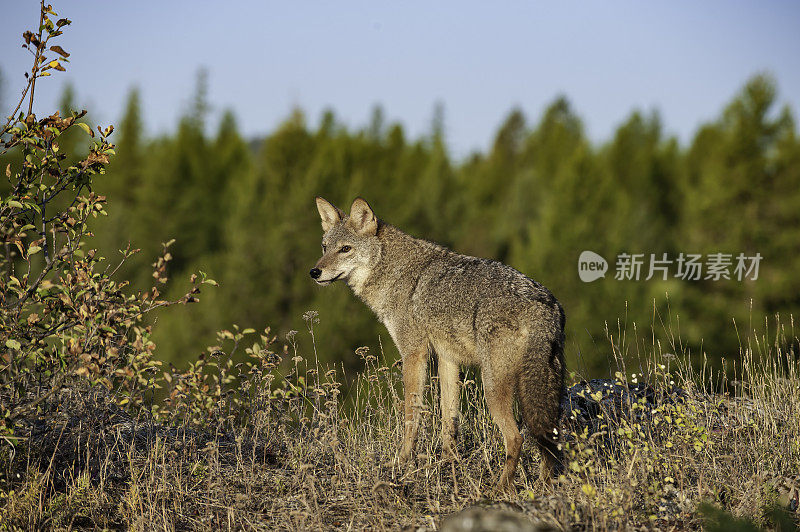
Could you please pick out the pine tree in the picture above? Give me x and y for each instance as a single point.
(121, 187)
(741, 197)
(190, 330)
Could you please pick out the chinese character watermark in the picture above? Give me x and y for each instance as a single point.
(684, 266)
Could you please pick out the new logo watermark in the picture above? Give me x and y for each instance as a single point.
(591, 266)
(686, 266)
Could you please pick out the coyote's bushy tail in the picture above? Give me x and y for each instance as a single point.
(540, 389)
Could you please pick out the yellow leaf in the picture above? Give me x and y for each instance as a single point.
(86, 128)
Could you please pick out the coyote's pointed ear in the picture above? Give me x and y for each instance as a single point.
(362, 219)
(329, 213)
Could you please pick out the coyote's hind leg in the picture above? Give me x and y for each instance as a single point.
(499, 392)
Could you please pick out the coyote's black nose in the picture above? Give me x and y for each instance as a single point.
(315, 273)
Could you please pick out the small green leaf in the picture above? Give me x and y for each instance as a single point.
(33, 250)
(15, 203)
(13, 344)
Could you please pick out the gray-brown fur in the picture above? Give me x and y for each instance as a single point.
(464, 310)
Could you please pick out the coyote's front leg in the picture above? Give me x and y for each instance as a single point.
(415, 366)
(448, 385)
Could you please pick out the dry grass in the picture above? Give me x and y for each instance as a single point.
(273, 444)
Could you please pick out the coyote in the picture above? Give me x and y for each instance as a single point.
(465, 311)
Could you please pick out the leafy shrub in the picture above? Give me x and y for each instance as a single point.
(64, 318)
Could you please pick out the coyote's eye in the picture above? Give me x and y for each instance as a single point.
(324, 247)
(345, 249)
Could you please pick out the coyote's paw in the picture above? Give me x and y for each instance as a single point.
(449, 453)
(404, 456)
(505, 485)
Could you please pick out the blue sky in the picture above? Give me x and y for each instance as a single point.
(685, 59)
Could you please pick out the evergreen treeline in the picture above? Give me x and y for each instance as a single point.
(243, 212)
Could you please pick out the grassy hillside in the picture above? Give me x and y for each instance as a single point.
(275, 444)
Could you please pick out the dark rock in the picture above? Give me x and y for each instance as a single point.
(581, 406)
